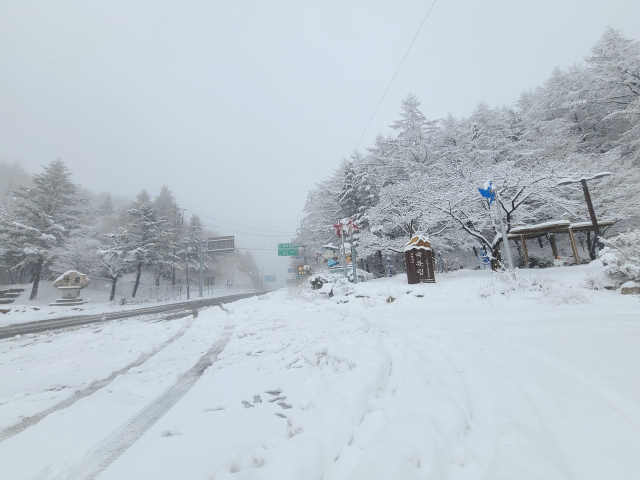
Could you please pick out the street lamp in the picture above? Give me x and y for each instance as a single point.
(587, 197)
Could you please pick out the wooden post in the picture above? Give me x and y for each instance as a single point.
(526, 253)
(554, 247)
(594, 221)
(573, 247)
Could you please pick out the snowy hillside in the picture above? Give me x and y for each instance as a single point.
(477, 376)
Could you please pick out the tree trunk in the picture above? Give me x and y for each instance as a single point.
(113, 287)
(36, 279)
(591, 245)
(137, 282)
(496, 263)
(518, 247)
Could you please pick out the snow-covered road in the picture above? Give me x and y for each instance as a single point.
(474, 377)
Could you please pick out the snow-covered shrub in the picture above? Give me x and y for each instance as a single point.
(338, 279)
(504, 283)
(592, 282)
(318, 279)
(563, 296)
(621, 256)
(363, 275)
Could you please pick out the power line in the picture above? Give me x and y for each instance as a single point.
(232, 230)
(239, 225)
(394, 75)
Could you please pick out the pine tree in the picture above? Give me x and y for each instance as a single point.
(150, 244)
(106, 207)
(348, 199)
(43, 219)
(411, 141)
(165, 203)
(142, 198)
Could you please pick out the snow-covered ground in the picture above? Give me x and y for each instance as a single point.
(97, 301)
(477, 376)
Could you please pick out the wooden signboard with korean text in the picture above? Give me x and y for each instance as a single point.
(419, 259)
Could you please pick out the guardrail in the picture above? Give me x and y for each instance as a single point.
(78, 320)
(152, 293)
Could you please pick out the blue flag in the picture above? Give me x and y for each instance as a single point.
(486, 192)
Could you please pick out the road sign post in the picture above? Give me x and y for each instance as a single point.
(288, 250)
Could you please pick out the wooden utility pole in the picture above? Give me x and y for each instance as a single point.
(587, 197)
(592, 214)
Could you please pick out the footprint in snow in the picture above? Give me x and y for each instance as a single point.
(275, 392)
(284, 397)
(257, 399)
(214, 409)
(247, 404)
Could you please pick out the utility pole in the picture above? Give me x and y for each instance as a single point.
(344, 250)
(175, 236)
(353, 256)
(200, 286)
(490, 193)
(592, 213)
(503, 230)
(186, 269)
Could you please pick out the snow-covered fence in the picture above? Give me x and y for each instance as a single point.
(151, 293)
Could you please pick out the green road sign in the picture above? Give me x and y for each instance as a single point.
(287, 249)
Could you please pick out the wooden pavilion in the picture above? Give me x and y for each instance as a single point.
(551, 228)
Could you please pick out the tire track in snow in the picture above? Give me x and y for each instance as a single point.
(27, 422)
(104, 455)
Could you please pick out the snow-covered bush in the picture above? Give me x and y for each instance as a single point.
(621, 256)
(340, 283)
(318, 279)
(505, 283)
(363, 275)
(592, 282)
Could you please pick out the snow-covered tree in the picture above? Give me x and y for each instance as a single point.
(150, 243)
(78, 253)
(114, 257)
(621, 256)
(165, 204)
(42, 219)
(190, 248)
(142, 198)
(106, 206)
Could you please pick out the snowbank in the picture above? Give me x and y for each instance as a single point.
(476, 376)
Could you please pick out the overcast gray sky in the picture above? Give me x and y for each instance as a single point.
(241, 106)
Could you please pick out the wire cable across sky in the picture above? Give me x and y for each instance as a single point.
(394, 75)
(221, 227)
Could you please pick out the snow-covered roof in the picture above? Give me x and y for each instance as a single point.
(541, 226)
(601, 223)
(557, 225)
(567, 181)
(419, 241)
